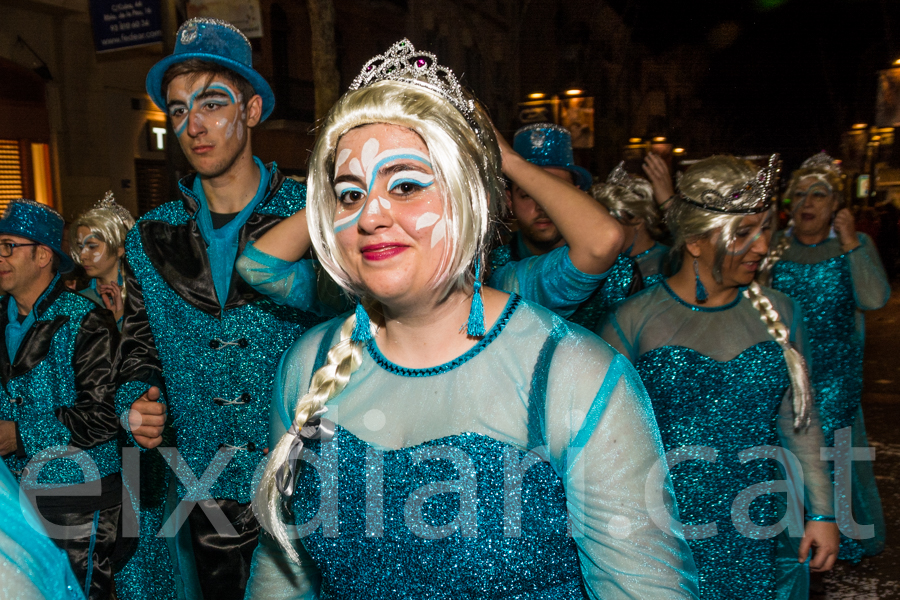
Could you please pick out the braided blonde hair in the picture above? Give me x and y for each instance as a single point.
(343, 359)
(797, 369)
(764, 275)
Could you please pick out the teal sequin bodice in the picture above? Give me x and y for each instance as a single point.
(825, 291)
(618, 285)
(729, 407)
(443, 519)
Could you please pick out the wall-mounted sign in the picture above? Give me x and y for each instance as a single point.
(119, 24)
(156, 136)
(243, 14)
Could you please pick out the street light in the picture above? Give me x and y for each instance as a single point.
(536, 95)
(574, 92)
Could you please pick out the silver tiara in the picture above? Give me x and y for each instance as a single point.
(109, 203)
(620, 177)
(402, 62)
(750, 197)
(821, 161)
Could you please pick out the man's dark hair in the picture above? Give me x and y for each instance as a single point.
(197, 68)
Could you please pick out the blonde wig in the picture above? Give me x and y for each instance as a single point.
(465, 159)
(821, 170)
(107, 221)
(632, 204)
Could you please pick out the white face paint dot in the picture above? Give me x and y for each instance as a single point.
(426, 220)
(437, 234)
(385, 203)
(619, 527)
(341, 159)
(356, 168)
(369, 151)
(373, 207)
(374, 420)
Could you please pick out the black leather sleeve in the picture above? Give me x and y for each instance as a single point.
(92, 420)
(137, 359)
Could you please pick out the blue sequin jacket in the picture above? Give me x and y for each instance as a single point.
(214, 362)
(59, 391)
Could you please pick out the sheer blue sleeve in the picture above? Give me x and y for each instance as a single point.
(870, 283)
(602, 437)
(33, 567)
(550, 280)
(291, 283)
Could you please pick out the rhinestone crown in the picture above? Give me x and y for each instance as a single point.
(620, 177)
(750, 197)
(402, 62)
(820, 161)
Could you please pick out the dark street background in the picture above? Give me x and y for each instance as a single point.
(878, 578)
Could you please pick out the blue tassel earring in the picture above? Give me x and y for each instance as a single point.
(475, 326)
(701, 291)
(362, 331)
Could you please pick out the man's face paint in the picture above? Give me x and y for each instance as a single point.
(209, 120)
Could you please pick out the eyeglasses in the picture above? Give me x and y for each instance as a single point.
(6, 248)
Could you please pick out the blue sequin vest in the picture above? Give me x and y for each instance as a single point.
(404, 524)
(727, 406)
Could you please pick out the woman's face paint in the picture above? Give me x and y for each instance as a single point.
(813, 206)
(389, 221)
(95, 259)
(744, 252)
(209, 118)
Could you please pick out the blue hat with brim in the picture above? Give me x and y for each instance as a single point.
(38, 223)
(549, 145)
(217, 42)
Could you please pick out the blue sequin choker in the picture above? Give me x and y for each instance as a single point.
(694, 307)
(490, 336)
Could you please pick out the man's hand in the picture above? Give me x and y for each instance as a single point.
(147, 418)
(845, 228)
(8, 442)
(658, 173)
(826, 540)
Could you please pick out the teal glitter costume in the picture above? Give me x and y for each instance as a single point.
(58, 389)
(718, 382)
(552, 281)
(214, 358)
(458, 481)
(834, 288)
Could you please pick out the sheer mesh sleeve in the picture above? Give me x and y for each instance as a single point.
(602, 439)
(285, 282)
(870, 283)
(550, 280)
(274, 576)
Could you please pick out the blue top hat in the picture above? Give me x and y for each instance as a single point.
(39, 223)
(215, 41)
(549, 145)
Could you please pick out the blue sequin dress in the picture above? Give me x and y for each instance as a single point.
(834, 288)
(464, 480)
(718, 384)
